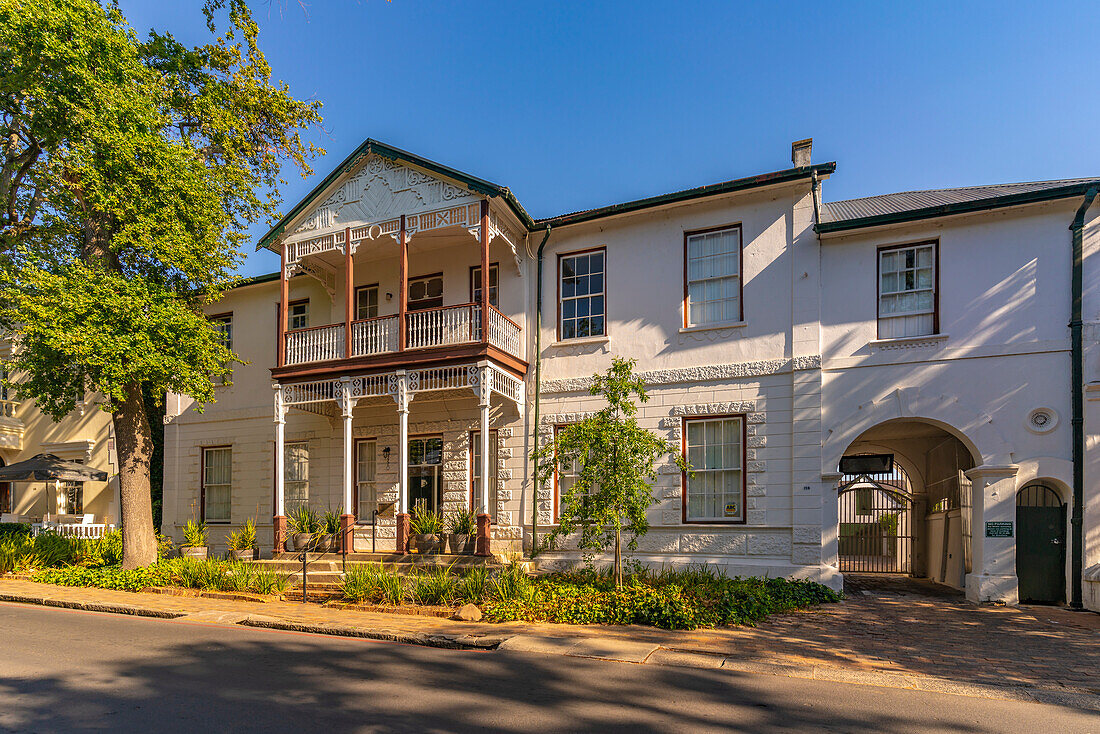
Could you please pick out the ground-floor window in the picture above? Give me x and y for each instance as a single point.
(5, 497)
(475, 471)
(715, 490)
(366, 487)
(296, 476)
(217, 482)
(425, 472)
(564, 478)
(73, 496)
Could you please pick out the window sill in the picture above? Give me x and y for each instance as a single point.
(713, 327)
(907, 342)
(581, 340)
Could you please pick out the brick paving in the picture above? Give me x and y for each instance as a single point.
(897, 626)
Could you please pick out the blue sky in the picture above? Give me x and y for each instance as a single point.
(574, 105)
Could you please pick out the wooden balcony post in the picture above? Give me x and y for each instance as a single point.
(403, 294)
(349, 292)
(284, 307)
(484, 271)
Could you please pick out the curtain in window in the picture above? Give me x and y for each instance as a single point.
(714, 451)
(217, 484)
(714, 289)
(296, 477)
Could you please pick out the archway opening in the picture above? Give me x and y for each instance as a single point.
(916, 515)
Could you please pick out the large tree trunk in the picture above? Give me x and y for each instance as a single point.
(134, 442)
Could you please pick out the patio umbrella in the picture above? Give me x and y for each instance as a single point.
(47, 467)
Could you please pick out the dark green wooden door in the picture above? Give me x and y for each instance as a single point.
(1041, 545)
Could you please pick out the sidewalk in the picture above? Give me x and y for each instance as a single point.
(900, 640)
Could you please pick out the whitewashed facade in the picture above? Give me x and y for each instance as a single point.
(770, 327)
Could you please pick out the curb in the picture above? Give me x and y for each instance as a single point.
(131, 609)
(449, 642)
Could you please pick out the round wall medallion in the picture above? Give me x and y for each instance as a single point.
(1042, 420)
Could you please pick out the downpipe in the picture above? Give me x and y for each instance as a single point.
(538, 393)
(1077, 519)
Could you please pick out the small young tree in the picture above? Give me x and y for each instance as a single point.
(614, 460)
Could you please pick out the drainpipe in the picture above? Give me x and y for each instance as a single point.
(1078, 421)
(538, 389)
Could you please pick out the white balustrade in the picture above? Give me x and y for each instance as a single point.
(88, 531)
(374, 336)
(7, 408)
(439, 327)
(315, 344)
(504, 334)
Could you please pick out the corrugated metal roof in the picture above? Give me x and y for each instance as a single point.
(915, 201)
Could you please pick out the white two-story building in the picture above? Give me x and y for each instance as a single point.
(884, 384)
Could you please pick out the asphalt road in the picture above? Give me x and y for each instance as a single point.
(66, 671)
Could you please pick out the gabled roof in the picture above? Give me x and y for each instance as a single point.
(907, 206)
(737, 184)
(478, 185)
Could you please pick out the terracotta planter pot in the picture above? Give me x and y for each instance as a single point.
(427, 543)
(248, 554)
(460, 543)
(189, 551)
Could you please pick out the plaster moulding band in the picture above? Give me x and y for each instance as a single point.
(709, 373)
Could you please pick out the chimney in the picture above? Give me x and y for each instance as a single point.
(800, 152)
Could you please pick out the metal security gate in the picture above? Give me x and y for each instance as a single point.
(876, 519)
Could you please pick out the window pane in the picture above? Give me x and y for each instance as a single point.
(712, 274)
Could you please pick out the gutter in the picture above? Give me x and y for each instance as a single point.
(538, 389)
(1078, 421)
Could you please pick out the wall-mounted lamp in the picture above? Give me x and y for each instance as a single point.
(386, 451)
(389, 296)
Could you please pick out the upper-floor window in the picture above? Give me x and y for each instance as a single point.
(907, 291)
(581, 295)
(299, 314)
(475, 285)
(366, 302)
(426, 292)
(223, 329)
(712, 286)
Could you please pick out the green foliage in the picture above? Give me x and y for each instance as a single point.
(462, 522)
(616, 462)
(194, 534)
(425, 522)
(434, 587)
(512, 584)
(889, 523)
(681, 599)
(245, 538)
(331, 523)
(14, 529)
(474, 585)
(164, 545)
(107, 577)
(303, 519)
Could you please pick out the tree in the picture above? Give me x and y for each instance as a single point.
(614, 461)
(130, 174)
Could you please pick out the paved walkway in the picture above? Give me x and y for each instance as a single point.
(890, 627)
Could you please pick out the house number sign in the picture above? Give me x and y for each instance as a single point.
(998, 529)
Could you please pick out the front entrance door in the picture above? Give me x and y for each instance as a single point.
(1040, 545)
(425, 465)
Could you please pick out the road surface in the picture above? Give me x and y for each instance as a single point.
(65, 671)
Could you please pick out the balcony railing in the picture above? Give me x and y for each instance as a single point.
(436, 327)
(7, 408)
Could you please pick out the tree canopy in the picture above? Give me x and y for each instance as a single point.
(131, 170)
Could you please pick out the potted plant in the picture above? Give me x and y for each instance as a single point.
(305, 528)
(194, 540)
(427, 530)
(242, 544)
(330, 529)
(461, 532)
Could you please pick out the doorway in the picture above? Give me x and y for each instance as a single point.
(875, 529)
(425, 469)
(1041, 544)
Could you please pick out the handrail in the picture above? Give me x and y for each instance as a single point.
(505, 317)
(311, 328)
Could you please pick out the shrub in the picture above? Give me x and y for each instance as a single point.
(463, 522)
(245, 538)
(425, 522)
(108, 577)
(51, 549)
(331, 523)
(303, 519)
(473, 585)
(512, 584)
(194, 534)
(361, 583)
(14, 529)
(12, 550)
(270, 582)
(435, 587)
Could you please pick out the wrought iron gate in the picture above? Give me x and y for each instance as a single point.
(875, 533)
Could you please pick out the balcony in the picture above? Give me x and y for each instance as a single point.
(430, 329)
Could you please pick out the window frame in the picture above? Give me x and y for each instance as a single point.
(556, 514)
(290, 314)
(378, 300)
(574, 253)
(359, 442)
(684, 420)
(740, 275)
(935, 243)
(221, 318)
(286, 468)
(203, 484)
(494, 267)
(430, 276)
(494, 472)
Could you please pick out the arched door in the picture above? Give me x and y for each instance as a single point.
(1041, 545)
